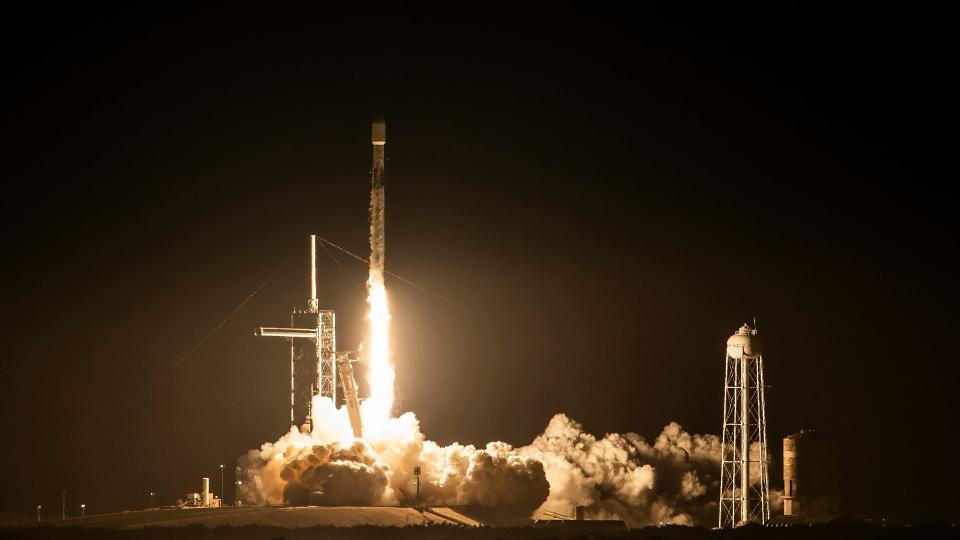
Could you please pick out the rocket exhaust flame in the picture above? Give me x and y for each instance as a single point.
(377, 408)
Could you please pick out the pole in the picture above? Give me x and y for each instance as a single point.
(416, 472)
(83, 510)
(63, 505)
(236, 486)
(151, 499)
(725, 447)
(745, 437)
(38, 513)
(222, 493)
(314, 304)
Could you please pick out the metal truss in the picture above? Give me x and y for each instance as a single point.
(327, 338)
(744, 478)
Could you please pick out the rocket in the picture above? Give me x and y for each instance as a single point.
(379, 140)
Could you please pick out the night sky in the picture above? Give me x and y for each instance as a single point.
(601, 197)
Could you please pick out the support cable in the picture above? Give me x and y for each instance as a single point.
(336, 260)
(219, 326)
(398, 277)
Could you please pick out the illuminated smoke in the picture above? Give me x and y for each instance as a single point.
(674, 478)
(329, 474)
(330, 467)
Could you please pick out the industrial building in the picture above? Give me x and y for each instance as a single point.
(202, 499)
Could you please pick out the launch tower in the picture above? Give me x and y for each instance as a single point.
(744, 483)
(313, 342)
(314, 359)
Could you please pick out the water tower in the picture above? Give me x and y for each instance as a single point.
(744, 483)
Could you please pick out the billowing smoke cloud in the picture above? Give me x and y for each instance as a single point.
(332, 475)
(496, 482)
(674, 477)
(623, 476)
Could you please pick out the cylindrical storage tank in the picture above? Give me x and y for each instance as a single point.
(811, 475)
(205, 493)
(744, 343)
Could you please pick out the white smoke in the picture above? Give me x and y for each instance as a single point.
(625, 477)
(672, 478)
(329, 467)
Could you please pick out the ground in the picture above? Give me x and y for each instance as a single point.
(402, 523)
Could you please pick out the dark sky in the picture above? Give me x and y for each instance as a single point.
(609, 193)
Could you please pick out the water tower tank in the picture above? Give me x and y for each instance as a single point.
(744, 343)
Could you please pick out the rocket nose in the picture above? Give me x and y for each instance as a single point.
(379, 132)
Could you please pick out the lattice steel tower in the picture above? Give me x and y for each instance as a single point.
(744, 482)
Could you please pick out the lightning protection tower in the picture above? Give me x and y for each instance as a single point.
(744, 483)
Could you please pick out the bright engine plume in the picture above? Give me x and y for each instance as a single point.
(377, 408)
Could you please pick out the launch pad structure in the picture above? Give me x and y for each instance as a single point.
(315, 362)
(316, 366)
